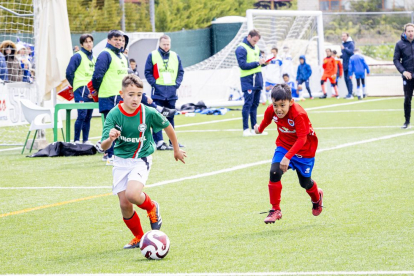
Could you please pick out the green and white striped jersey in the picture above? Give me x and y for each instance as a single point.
(136, 138)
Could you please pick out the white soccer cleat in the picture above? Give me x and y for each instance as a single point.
(247, 132)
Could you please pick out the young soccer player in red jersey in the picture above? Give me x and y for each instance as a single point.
(129, 125)
(296, 147)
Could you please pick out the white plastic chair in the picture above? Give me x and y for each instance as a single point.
(34, 115)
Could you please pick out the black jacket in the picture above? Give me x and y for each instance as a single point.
(404, 55)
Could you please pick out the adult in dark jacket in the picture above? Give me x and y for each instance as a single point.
(79, 73)
(347, 49)
(14, 69)
(164, 72)
(303, 74)
(404, 62)
(250, 63)
(110, 68)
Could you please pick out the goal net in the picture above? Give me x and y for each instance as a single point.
(216, 80)
(16, 38)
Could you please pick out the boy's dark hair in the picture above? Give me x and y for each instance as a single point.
(328, 49)
(132, 60)
(281, 92)
(334, 52)
(132, 79)
(83, 38)
(114, 33)
(254, 33)
(274, 48)
(285, 75)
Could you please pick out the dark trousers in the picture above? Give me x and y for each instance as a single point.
(408, 95)
(168, 104)
(348, 82)
(307, 86)
(251, 102)
(83, 122)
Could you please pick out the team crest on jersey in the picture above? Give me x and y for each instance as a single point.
(142, 127)
(291, 122)
(275, 119)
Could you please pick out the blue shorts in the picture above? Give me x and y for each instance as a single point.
(269, 83)
(303, 165)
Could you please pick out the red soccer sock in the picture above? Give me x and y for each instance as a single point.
(314, 193)
(148, 205)
(275, 191)
(134, 224)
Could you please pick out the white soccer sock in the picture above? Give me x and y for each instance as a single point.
(159, 108)
(159, 143)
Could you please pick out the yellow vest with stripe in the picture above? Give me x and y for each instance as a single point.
(172, 67)
(84, 72)
(253, 55)
(112, 80)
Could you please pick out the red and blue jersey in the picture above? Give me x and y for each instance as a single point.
(296, 133)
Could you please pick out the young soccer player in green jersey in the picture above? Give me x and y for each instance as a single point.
(129, 125)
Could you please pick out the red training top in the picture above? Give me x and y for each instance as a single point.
(295, 131)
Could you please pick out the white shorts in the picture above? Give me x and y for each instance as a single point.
(125, 170)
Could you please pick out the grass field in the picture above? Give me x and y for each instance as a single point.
(57, 215)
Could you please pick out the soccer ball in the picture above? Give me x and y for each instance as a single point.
(154, 245)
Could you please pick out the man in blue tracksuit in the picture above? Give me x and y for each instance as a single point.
(164, 72)
(358, 66)
(303, 74)
(79, 73)
(404, 62)
(347, 49)
(250, 63)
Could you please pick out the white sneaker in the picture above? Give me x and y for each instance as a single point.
(110, 161)
(98, 147)
(77, 142)
(247, 132)
(88, 143)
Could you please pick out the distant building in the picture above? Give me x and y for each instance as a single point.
(345, 5)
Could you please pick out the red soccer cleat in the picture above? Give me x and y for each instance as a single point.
(273, 216)
(317, 207)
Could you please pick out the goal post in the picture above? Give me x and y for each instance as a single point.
(216, 80)
(251, 15)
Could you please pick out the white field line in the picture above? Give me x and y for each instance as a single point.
(261, 115)
(307, 109)
(235, 168)
(274, 129)
(302, 273)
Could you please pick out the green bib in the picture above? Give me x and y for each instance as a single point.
(253, 55)
(112, 81)
(84, 72)
(168, 69)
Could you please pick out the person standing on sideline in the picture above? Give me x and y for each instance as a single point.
(329, 72)
(110, 69)
(250, 63)
(340, 68)
(303, 75)
(134, 67)
(78, 73)
(347, 49)
(404, 62)
(164, 72)
(273, 73)
(358, 66)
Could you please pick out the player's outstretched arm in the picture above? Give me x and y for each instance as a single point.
(179, 154)
(113, 135)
